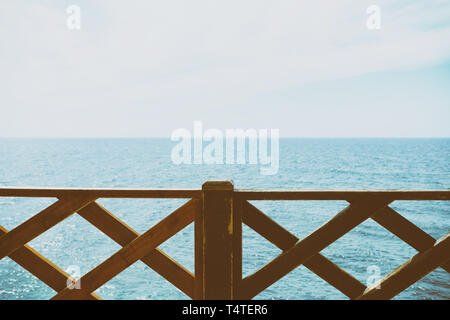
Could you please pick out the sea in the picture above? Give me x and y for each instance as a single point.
(368, 252)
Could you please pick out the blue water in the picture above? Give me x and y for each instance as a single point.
(146, 163)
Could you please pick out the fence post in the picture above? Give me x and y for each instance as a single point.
(216, 243)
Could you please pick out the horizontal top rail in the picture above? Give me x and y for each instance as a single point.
(343, 194)
(244, 194)
(101, 193)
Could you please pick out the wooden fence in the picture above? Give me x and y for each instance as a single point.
(218, 212)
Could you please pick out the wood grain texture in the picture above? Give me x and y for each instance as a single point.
(350, 195)
(40, 223)
(410, 272)
(218, 211)
(43, 269)
(339, 225)
(406, 231)
(283, 239)
(100, 193)
(121, 233)
(217, 240)
(135, 250)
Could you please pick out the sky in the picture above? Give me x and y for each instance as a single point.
(146, 68)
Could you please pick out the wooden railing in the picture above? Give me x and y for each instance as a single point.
(218, 212)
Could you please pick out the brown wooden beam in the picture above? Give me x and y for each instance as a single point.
(216, 240)
(40, 223)
(283, 239)
(121, 233)
(43, 269)
(100, 193)
(410, 272)
(134, 251)
(339, 225)
(351, 195)
(406, 230)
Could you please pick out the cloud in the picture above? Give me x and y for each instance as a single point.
(170, 61)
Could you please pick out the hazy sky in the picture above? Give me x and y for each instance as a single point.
(145, 68)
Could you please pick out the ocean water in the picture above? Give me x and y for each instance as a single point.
(327, 164)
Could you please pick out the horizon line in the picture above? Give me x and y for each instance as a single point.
(281, 137)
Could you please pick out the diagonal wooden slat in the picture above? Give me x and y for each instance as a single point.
(40, 223)
(267, 228)
(343, 222)
(134, 251)
(335, 276)
(283, 239)
(42, 268)
(121, 233)
(411, 271)
(406, 231)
